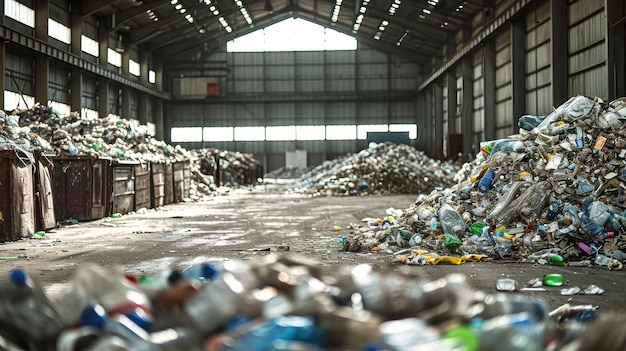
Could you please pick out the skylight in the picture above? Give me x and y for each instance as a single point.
(293, 34)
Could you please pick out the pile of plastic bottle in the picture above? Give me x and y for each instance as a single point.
(557, 188)
(281, 303)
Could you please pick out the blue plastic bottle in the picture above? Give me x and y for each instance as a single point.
(485, 183)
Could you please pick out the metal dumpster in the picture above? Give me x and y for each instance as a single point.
(44, 201)
(178, 168)
(142, 186)
(82, 187)
(17, 210)
(157, 180)
(169, 184)
(123, 196)
(186, 178)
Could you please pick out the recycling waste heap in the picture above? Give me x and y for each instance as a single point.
(384, 168)
(554, 191)
(278, 303)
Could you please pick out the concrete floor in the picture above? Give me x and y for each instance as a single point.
(246, 224)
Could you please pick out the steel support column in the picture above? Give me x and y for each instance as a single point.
(518, 66)
(42, 11)
(489, 89)
(438, 117)
(422, 130)
(103, 97)
(616, 47)
(467, 106)
(103, 46)
(77, 26)
(451, 86)
(126, 93)
(42, 78)
(559, 51)
(429, 117)
(76, 86)
(3, 70)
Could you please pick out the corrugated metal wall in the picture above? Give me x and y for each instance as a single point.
(587, 71)
(584, 56)
(538, 59)
(58, 86)
(303, 88)
(504, 90)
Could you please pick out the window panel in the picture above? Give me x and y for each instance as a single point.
(186, 134)
(249, 133)
(411, 128)
(341, 132)
(362, 130)
(218, 134)
(280, 133)
(310, 132)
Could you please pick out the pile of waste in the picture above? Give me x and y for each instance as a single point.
(554, 193)
(42, 128)
(228, 168)
(280, 303)
(287, 172)
(384, 168)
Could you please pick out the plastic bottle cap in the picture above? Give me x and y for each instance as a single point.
(140, 318)
(209, 271)
(17, 277)
(93, 315)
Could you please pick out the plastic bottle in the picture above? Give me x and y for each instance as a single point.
(451, 221)
(263, 336)
(119, 325)
(203, 272)
(555, 260)
(513, 332)
(505, 303)
(553, 210)
(223, 298)
(27, 313)
(485, 182)
(108, 288)
(553, 279)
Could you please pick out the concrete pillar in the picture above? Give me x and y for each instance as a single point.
(451, 82)
(42, 11)
(142, 108)
(2, 69)
(429, 125)
(422, 130)
(126, 91)
(143, 66)
(103, 44)
(42, 77)
(162, 130)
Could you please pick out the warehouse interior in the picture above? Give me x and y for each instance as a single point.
(465, 175)
(167, 64)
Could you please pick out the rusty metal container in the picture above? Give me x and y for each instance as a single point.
(142, 186)
(157, 181)
(44, 201)
(179, 180)
(17, 210)
(123, 200)
(169, 184)
(82, 187)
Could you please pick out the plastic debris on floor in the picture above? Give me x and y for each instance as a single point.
(288, 172)
(385, 168)
(279, 303)
(553, 194)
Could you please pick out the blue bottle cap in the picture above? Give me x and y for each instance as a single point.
(141, 318)
(93, 315)
(17, 276)
(209, 271)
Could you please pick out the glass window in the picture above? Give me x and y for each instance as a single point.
(19, 12)
(61, 108)
(362, 130)
(86, 113)
(249, 133)
(411, 128)
(114, 57)
(186, 134)
(134, 68)
(218, 134)
(58, 31)
(152, 76)
(89, 46)
(293, 34)
(341, 132)
(280, 133)
(310, 133)
(14, 101)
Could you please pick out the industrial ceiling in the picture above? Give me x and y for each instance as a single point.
(187, 30)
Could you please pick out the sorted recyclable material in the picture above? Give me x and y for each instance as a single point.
(384, 168)
(280, 303)
(554, 193)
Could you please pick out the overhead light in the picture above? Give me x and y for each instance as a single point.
(174, 2)
(183, 10)
(201, 31)
(426, 11)
(178, 7)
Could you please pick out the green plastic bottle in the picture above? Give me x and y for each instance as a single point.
(556, 260)
(553, 279)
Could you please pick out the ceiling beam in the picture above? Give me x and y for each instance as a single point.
(138, 36)
(93, 6)
(120, 17)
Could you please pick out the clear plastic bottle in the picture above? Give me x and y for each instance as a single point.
(451, 221)
(223, 299)
(109, 288)
(28, 316)
(119, 325)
